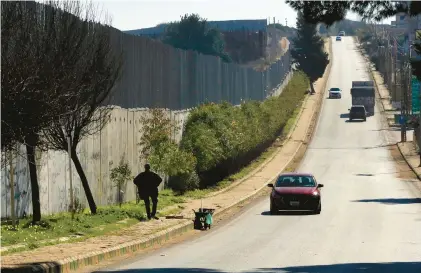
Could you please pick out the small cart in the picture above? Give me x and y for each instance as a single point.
(203, 218)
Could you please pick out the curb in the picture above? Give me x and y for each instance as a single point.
(94, 258)
(407, 162)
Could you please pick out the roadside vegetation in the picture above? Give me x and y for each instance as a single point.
(84, 225)
(224, 138)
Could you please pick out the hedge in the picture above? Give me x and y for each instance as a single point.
(224, 138)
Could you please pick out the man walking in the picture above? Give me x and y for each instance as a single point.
(147, 183)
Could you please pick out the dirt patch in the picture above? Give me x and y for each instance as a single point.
(403, 171)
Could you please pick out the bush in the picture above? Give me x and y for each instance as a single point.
(224, 138)
(184, 182)
(163, 154)
(171, 160)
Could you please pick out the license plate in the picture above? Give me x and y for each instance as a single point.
(294, 203)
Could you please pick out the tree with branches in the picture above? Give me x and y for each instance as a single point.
(308, 50)
(33, 60)
(98, 69)
(41, 64)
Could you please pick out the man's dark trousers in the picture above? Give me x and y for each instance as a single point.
(146, 199)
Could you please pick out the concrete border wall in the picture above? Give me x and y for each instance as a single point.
(158, 75)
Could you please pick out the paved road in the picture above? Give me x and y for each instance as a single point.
(368, 223)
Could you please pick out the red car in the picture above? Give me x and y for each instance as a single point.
(295, 191)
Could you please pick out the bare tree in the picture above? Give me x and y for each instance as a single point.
(41, 61)
(99, 70)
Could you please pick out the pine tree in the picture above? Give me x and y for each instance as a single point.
(308, 50)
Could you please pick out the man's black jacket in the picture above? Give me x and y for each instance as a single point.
(147, 183)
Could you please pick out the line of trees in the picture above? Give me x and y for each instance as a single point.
(58, 69)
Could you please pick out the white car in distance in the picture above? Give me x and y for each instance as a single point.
(335, 92)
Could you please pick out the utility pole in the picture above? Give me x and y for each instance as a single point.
(395, 69)
(404, 112)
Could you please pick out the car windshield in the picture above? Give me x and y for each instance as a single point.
(335, 89)
(295, 181)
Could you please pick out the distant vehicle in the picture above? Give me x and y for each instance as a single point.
(357, 112)
(341, 33)
(297, 192)
(364, 93)
(338, 38)
(335, 92)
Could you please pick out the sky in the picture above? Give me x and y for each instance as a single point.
(128, 15)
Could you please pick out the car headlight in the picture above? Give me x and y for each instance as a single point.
(315, 193)
(276, 195)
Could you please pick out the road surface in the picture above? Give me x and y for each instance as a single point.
(370, 220)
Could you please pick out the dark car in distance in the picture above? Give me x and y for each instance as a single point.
(295, 191)
(357, 112)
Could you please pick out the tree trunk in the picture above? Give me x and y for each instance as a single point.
(312, 88)
(84, 180)
(36, 204)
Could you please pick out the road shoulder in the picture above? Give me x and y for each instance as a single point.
(402, 152)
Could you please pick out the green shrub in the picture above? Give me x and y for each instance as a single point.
(163, 154)
(203, 143)
(171, 160)
(224, 138)
(184, 182)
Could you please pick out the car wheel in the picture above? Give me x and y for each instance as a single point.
(273, 209)
(319, 209)
(365, 119)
